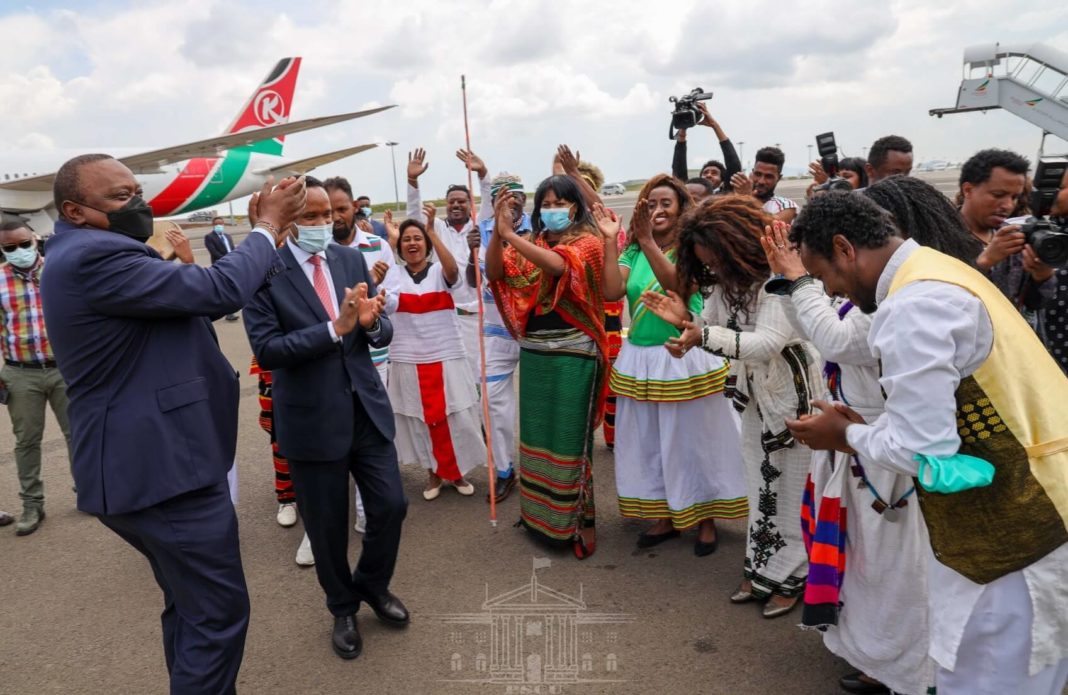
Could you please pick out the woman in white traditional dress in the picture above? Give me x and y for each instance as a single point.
(664, 472)
(431, 387)
(774, 375)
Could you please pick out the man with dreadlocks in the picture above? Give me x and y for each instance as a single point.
(502, 351)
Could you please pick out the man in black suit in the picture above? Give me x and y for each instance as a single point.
(219, 243)
(313, 328)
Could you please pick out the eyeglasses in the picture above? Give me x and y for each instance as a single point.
(10, 248)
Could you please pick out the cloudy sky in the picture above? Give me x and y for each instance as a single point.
(117, 74)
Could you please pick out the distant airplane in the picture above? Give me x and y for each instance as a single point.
(195, 175)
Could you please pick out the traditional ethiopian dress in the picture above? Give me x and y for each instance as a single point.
(559, 323)
(678, 455)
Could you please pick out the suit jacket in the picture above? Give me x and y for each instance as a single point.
(153, 402)
(313, 377)
(215, 245)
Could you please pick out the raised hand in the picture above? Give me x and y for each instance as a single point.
(818, 174)
(607, 223)
(181, 246)
(281, 204)
(472, 160)
(669, 307)
(568, 161)
(417, 164)
(503, 218)
(431, 213)
(707, 121)
(742, 184)
(641, 221)
(782, 257)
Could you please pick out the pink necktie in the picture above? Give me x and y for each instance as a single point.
(321, 287)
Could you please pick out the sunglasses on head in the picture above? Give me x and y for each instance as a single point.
(10, 248)
(456, 187)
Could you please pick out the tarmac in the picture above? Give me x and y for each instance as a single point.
(80, 610)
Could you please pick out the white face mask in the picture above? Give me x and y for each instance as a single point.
(22, 258)
(314, 238)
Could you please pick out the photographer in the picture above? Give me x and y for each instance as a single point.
(1053, 319)
(717, 173)
(990, 184)
(851, 169)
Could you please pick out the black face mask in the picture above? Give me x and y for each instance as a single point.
(134, 219)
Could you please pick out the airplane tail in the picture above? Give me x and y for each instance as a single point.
(269, 105)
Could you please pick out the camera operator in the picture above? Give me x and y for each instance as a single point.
(718, 174)
(1053, 319)
(761, 183)
(850, 169)
(890, 155)
(990, 184)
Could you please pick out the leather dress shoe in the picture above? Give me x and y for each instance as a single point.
(504, 487)
(387, 607)
(345, 638)
(853, 683)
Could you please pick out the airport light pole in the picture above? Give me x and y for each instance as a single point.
(396, 191)
(810, 152)
(741, 153)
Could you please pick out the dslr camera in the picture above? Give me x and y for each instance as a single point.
(828, 151)
(686, 115)
(1048, 237)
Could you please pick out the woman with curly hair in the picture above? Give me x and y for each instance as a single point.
(774, 375)
(547, 287)
(663, 472)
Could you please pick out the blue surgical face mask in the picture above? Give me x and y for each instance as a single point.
(556, 219)
(367, 211)
(22, 258)
(314, 238)
(218, 229)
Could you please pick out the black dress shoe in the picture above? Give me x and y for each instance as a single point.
(346, 639)
(853, 683)
(646, 540)
(504, 487)
(388, 608)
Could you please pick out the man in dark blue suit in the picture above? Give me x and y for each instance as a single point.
(312, 327)
(153, 402)
(219, 243)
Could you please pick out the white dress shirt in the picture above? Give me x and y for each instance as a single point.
(929, 335)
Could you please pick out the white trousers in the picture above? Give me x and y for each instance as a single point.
(995, 649)
(502, 358)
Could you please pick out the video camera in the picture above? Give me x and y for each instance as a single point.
(686, 114)
(828, 151)
(1048, 237)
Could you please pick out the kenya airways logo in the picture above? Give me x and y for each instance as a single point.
(269, 108)
(1033, 102)
(981, 89)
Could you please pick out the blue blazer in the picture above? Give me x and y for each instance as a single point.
(215, 246)
(313, 377)
(153, 401)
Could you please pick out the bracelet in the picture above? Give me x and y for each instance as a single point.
(268, 227)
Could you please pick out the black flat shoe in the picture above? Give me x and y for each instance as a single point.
(504, 487)
(388, 608)
(853, 683)
(345, 638)
(646, 540)
(701, 549)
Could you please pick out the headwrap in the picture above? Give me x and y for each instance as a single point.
(503, 181)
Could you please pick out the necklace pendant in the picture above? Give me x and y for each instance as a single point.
(891, 514)
(879, 506)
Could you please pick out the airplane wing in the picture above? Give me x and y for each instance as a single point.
(303, 166)
(150, 162)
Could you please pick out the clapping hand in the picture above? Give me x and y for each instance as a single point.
(378, 271)
(180, 243)
(641, 224)
(825, 431)
(503, 215)
(417, 164)
(392, 230)
(607, 223)
(431, 214)
(741, 184)
(818, 174)
(359, 309)
(669, 307)
(782, 257)
(691, 337)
